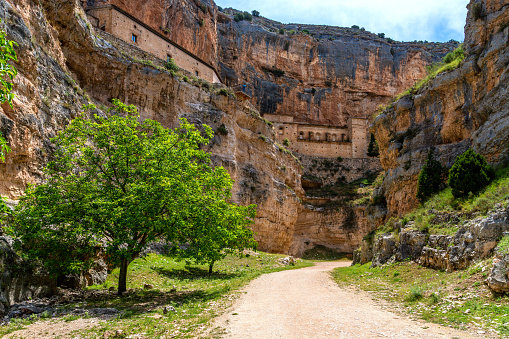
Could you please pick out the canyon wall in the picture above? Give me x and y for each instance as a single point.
(464, 108)
(64, 64)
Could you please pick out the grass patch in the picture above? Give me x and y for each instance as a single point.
(459, 298)
(443, 214)
(196, 295)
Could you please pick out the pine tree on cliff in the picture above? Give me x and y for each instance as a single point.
(431, 178)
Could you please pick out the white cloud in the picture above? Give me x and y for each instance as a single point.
(433, 20)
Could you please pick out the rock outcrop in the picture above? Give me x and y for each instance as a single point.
(464, 108)
(20, 280)
(474, 240)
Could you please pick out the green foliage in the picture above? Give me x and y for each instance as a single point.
(281, 31)
(454, 59)
(117, 183)
(373, 147)
(414, 294)
(171, 65)
(477, 10)
(355, 27)
(238, 17)
(305, 31)
(222, 130)
(275, 71)
(255, 13)
(470, 173)
(225, 91)
(381, 35)
(7, 71)
(286, 142)
(248, 16)
(458, 53)
(431, 178)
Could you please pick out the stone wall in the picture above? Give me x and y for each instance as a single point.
(323, 141)
(122, 25)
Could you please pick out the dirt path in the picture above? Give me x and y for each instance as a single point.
(306, 303)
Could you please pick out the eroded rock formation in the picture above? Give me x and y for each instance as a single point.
(464, 108)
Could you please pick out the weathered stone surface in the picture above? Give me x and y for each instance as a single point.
(19, 280)
(385, 248)
(467, 107)
(411, 244)
(498, 279)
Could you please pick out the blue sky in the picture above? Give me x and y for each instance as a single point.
(405, 20)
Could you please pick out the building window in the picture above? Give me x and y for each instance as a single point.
(168, 58)
(134, 38)
(197, 74)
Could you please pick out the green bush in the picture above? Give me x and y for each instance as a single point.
(171, 65)
(286, 142)
(238, 17)
(431, 178)
(470, 173)
(477, 10)
(305, 31)
(281, 31)
(458, 53)
(373, 147)
(255, 13)
(248, 16)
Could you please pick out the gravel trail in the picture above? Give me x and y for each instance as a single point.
(306, 303)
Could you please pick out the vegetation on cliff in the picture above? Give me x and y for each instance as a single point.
(118, 184)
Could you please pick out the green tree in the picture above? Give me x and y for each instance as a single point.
(118, 184)
(255, 13)
(470, 173)
(431, 178)
(7, 74)
(373, 150)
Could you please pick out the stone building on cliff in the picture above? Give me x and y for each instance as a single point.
(121, 24)
(348, 141)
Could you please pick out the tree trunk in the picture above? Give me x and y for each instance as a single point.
(210, 267)
(122, 279)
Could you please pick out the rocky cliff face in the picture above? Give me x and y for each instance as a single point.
(318, 74)
(190, 23)
(63, 64)
(330, 74)
(464, 108)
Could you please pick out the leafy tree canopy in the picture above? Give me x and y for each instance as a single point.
(118, 184)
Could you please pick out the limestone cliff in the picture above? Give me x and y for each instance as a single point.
(64, 64)
(318, 74)
(464, 108)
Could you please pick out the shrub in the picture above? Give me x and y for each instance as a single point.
(305, 31)
(185, 78)
(458, 53)
(281, 31)
(255, 13)
(381, 35)
(171, 65)
(355, 27)
(431, 178)
(328, 83)
(222, 130)
(477, 11)
(373, 147)
(286, 142)
(248, 16)
(470, 173)
(238, 17)
(275, 71)
(414, 294)
(224, 91)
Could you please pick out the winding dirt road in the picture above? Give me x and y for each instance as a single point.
(306, 303)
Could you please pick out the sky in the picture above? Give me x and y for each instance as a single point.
(402, 20)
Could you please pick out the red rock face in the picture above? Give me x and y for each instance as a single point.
(329, 75)
(191, 24)
(463, 108)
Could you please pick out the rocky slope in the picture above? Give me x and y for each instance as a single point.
(464, 108)
(330, 74)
